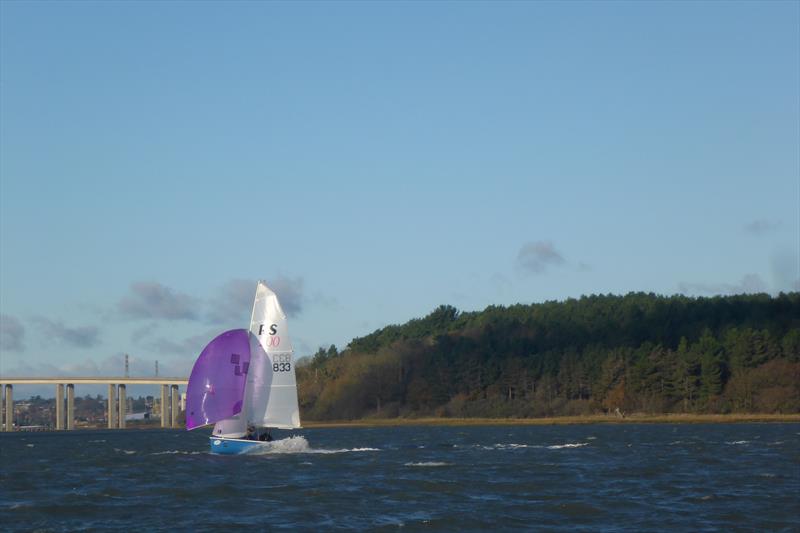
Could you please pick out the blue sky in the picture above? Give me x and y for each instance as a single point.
(372, 161)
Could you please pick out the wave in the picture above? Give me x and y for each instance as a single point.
(736, 442)
(514, 446)
(126, 452)
(510, 446)
(498, 446)
(428, 463)
(19, 505)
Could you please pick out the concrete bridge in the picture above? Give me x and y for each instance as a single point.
(116, 398)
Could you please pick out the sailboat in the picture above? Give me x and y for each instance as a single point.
(244, 381)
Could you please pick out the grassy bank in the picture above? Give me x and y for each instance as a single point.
(593, 419)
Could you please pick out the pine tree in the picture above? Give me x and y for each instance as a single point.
(709, 352)
(687, 375)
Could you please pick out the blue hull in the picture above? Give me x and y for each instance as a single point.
(223, 446)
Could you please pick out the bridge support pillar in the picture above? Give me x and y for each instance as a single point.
(174, 407)
(9, 411)
(112, 407)
(164, 406)
(70, 406)
(60, 406)
(123, 405)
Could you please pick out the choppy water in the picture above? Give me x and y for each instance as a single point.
(592, 477)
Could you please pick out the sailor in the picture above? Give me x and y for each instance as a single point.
(251, 432)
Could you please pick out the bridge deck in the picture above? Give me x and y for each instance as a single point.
(93, 381)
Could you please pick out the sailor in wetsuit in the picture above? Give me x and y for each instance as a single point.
(251, 432)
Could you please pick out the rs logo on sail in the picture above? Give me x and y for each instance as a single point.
(273, 329)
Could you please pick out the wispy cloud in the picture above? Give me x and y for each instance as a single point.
(537, 257)
(12, 334)
(112, 365)
(290, 293)
(233, 302)
(26, 368)
(190, 345)
(152, 300)
(762, 226)
(79, 337)
(140, 334)
(749, 284)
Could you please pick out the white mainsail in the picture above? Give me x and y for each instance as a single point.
(270, 396)
(273, 402)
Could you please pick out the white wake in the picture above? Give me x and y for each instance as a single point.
(298, 444)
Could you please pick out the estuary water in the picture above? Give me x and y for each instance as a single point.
(737, 477)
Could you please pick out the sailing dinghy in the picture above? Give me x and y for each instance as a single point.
(244, 383)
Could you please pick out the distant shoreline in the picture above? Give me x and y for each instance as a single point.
(560, 420)
(635, 418)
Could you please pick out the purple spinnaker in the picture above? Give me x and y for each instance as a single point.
(216, 385)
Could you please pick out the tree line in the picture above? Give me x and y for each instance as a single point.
(602, 353)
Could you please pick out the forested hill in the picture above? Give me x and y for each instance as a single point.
(636, 353)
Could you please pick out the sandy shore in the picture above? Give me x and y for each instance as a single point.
(594, 419)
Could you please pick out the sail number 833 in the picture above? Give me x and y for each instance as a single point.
(281, 363)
